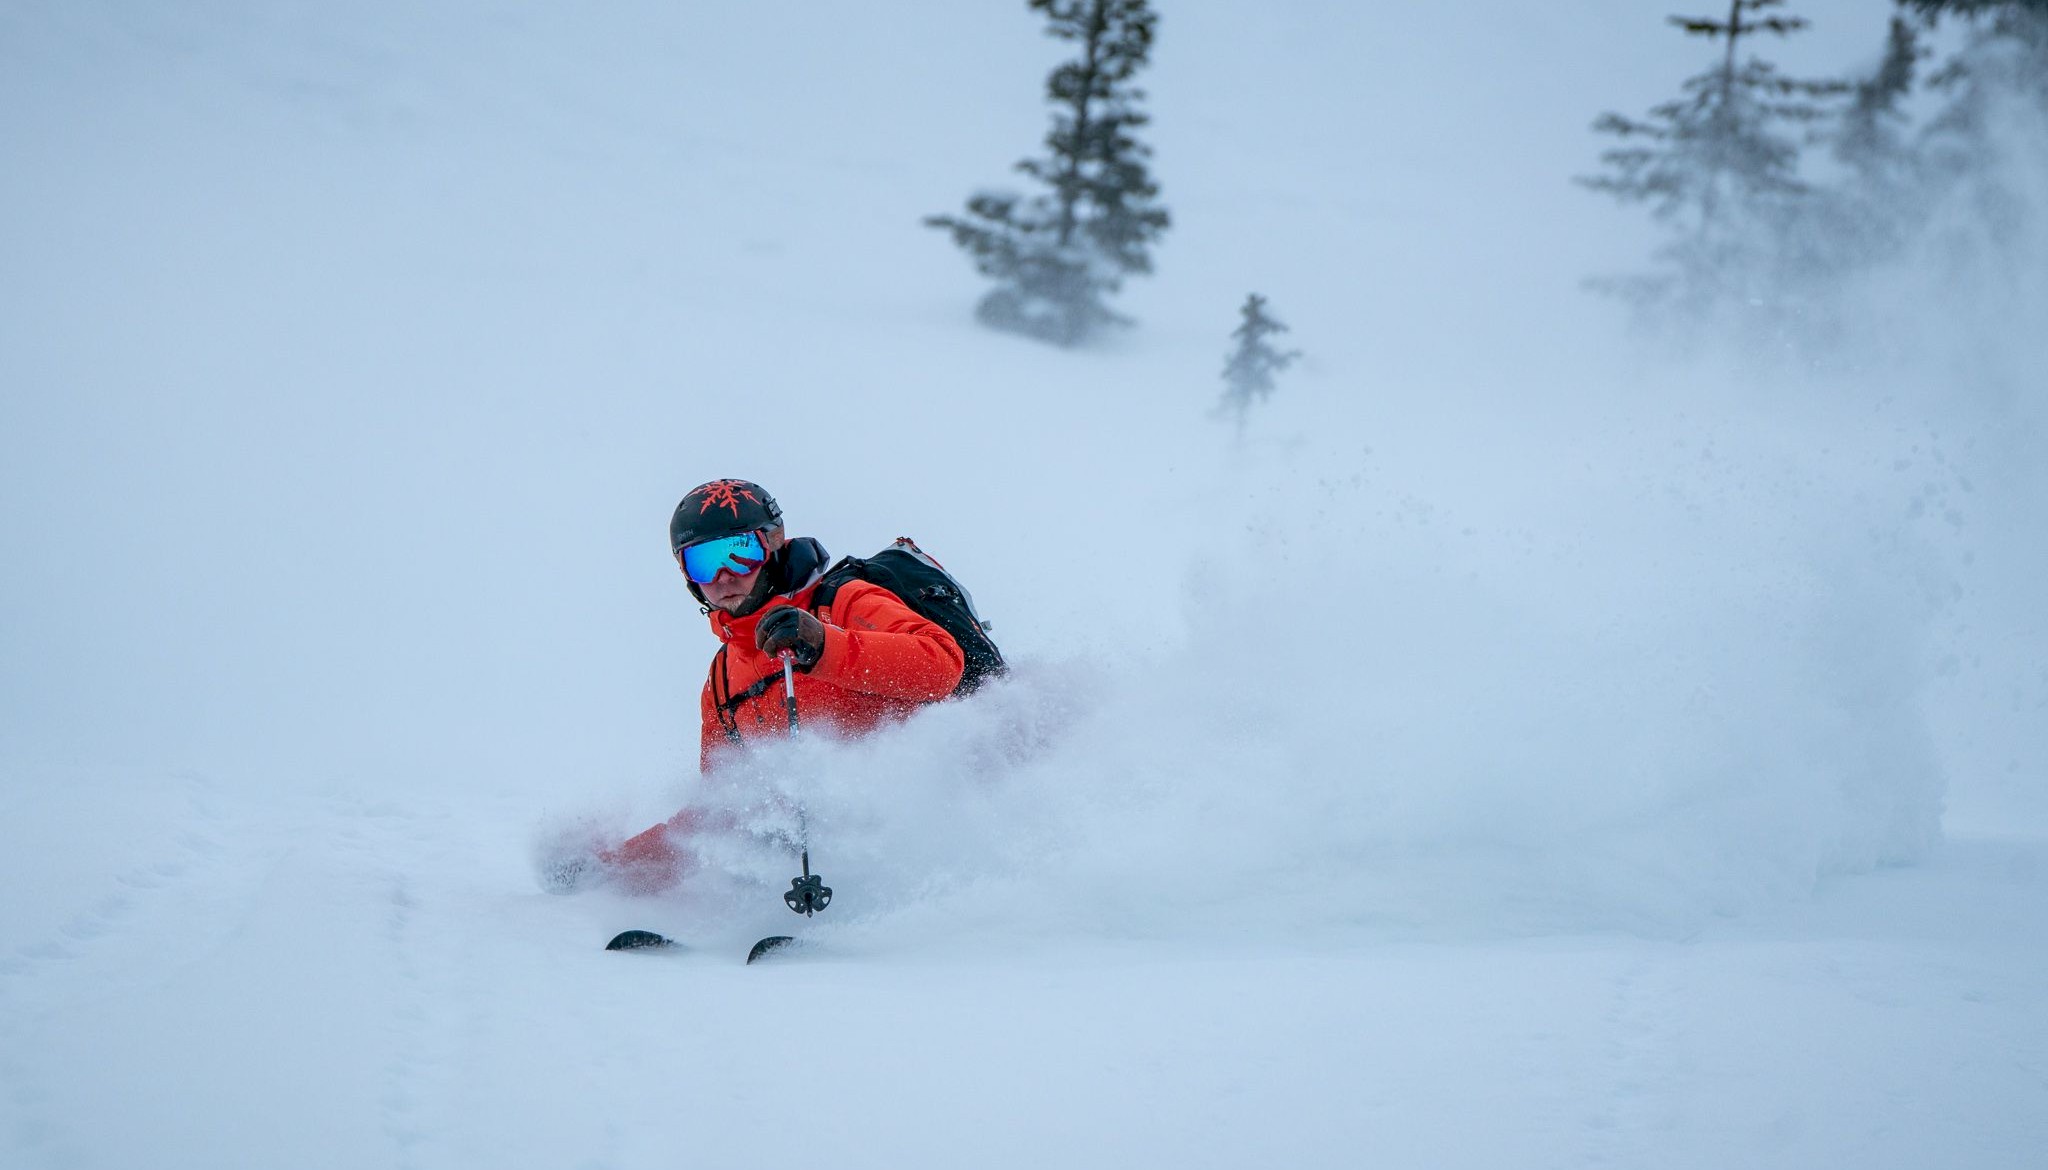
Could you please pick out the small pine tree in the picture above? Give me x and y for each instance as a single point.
(1248, 371)
(1717, 163)
(1057, 254)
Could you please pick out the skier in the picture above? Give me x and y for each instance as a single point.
(863, 661)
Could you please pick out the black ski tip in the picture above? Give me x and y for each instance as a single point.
(769, 946)
(633, 940)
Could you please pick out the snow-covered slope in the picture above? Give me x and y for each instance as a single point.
(1524, 750)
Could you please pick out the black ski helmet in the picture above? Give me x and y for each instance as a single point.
(723, 507)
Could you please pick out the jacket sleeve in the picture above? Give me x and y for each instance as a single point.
(875, 644)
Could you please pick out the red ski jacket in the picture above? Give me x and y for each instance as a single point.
(881, 662)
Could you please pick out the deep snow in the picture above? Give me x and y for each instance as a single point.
(1528, 749)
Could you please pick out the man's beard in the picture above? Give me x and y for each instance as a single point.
(764, 588)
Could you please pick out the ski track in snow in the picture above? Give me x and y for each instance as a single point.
(434, 1004)
(1631, 1108)
(112, 946)
(418, 1069)
(468, 1009)
(204, 900)
(197, 842)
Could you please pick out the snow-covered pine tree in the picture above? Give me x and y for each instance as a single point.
(1975, 7)
(1985, 146)
(1869, 215)
(1248, 371)
(1718, 164)
(2006, 57)
(1870, 139)
(1057, 254)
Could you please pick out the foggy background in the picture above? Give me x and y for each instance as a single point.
(350, 361)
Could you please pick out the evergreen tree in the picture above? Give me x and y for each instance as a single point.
(2007, 55)
(1870, 141)
(1986, 140)
(1869, 216)
(1056, 254)
(1935, 8)
(1719, 163)
(1248, 371)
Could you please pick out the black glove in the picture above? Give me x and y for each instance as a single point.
(788, 628)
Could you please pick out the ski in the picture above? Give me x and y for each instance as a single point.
(638, 940)
(770, 945)
(647, 940)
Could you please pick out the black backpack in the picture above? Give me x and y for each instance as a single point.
(932, 593)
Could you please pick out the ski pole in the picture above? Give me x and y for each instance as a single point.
(789, 688)
(807, 894)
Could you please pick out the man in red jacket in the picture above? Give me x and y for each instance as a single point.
(861, 662)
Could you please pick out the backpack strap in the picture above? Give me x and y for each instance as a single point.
(727, 708)
(843, 570)
(767, 682)
(724, 708)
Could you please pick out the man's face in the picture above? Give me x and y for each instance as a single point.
(729, 591)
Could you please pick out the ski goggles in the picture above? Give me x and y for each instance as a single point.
(739, 555)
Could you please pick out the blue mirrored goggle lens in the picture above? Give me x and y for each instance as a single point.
(738, 555)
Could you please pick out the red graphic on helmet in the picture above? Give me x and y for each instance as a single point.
(726, 493)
